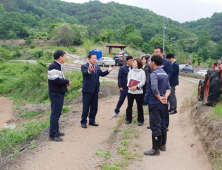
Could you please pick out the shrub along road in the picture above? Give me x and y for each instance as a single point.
(78, 150)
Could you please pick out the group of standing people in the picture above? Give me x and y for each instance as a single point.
(149, 80)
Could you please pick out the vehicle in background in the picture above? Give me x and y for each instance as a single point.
(105, 61)
(118, 60)
(186, 68)
(123, 51)
(202, 72)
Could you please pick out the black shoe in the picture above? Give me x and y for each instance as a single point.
(55, 138)
(83, 125)
(61, 134)
(127, 122)
(93, 124)
(148, 127)
(172, 112)
(156, 139)
(140, 123)
(163, 143)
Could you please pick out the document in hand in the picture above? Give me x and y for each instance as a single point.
(133, 83)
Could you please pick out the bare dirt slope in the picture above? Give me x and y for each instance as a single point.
(6, 111)
(77, 151)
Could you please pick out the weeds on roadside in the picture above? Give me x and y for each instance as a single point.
(218, 111)
(103, 154)
(11, 138)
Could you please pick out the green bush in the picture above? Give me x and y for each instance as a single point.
(37, 54)
(32, 46)
(72, 49)
(29, 83)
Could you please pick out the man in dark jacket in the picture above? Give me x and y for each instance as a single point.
(167, 67)
(57, 89)
(174, 81)
(122, 83)
(90, 89)
(158, 90)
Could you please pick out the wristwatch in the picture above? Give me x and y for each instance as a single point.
(137, 87)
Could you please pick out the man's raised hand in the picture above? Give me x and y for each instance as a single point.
(110, 68)
(90, 69)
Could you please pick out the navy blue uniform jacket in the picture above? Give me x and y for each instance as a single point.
(122, 77)
(167, 67)
(91, 80)
(174, 80)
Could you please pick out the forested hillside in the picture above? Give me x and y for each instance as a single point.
(213, 25)
(112, 22)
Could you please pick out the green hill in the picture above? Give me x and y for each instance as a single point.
(212, 25)
(110, 22)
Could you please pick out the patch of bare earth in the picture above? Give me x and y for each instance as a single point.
(6, 111)
(209, 128)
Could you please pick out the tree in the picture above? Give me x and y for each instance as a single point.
(203, 39)
(157, 42)
(80, 33)
(63, 34)
(87, 46)
(20, 30)
(135, 39)
(128, 29)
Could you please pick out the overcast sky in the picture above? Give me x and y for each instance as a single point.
(178, 10)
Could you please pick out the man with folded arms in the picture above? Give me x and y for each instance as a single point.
(158, 90)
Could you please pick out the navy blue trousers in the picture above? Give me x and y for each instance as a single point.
(57, 100)
(157, 118)
(90, 107)
(167, 117)
(122, 97)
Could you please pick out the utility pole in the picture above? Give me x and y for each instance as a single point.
(124, 59)
(163, 33)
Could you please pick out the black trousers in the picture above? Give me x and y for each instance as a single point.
(139, 102)
(144, 91)
(167, 117)
(57, 100)
(157, 118)
(90, 107)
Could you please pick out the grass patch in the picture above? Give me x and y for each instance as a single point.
(9, 139)
(218, 111)
(110, 167)
(28, 83)
(131, 133)
(103, 154)
(65, 110)
(28, 115)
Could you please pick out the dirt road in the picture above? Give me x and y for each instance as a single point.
(6, 111)
(77, 151)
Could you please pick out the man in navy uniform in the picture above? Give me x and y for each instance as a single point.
(90, 89)
(174, 81)
(158, 90)
(167, 67)
(57, 89)
(122, 83)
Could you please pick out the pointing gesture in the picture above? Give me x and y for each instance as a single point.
(110, 68)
